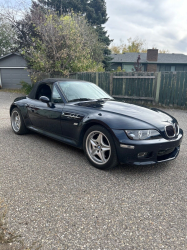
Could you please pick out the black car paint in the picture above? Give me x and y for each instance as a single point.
(68, 121)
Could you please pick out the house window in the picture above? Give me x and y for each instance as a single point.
(172, 68)
(162, 68)
(128, 68)
(167, 68)
(179, 68)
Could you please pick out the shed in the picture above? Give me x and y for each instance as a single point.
(13, 69)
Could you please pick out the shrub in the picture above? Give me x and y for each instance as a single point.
(26, 87)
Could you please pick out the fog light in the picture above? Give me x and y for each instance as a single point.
(143, 155)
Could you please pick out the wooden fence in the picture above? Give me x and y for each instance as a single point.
(165, 88)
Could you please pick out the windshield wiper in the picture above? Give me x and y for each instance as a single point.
(103, 99)
(80, 99)
(88, 99)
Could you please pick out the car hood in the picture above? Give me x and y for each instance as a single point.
(154, 117)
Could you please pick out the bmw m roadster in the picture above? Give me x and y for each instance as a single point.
(81, 114)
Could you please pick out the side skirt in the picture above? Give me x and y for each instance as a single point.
(53, 136)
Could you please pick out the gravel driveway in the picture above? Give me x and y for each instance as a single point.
(55, 197)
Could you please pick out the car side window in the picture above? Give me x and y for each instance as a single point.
(44, 90)
(56, 98)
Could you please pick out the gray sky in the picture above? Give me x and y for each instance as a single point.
(162, 23)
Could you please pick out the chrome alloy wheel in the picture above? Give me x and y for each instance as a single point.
(98, 147)
(16, 121)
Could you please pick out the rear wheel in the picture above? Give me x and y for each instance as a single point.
(17, 123)
(99, 148)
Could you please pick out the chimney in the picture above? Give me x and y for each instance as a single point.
(152, 55)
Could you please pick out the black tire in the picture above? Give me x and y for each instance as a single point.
(17, 123)
(99, 148)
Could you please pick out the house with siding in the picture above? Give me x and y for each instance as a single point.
(152, 61)
(13, 69)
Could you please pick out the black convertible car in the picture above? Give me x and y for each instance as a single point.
(81, 114)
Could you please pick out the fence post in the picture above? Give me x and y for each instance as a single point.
(111, 83)
(158, 87)
(97, 78)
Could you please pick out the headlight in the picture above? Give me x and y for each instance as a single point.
(142, 134)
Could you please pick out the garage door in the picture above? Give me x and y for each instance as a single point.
(10, 78)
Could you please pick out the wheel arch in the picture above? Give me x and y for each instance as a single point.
(90, 124)
(112, 159)
(12, 107)
(17, 106)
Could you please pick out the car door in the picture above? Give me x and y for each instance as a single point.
(47, 116)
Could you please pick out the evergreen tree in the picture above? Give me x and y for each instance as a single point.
(95, 10)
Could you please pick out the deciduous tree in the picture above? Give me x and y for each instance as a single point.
(133, 45)
(7, 38)
(64, 44)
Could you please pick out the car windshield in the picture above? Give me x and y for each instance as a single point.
(82, 91)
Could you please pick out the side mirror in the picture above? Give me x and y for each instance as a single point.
(44, 99)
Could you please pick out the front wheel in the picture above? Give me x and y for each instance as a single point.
(99, 148)
(18, 125)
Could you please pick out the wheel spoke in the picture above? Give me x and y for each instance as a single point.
(102, 156)
(106, 148)
(99, 138)
(104, 145)
(92, 141)
(102, 142)
(94, 152)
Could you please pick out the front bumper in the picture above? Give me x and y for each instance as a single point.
(159, 150)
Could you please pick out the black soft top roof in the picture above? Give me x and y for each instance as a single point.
(32, 94)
